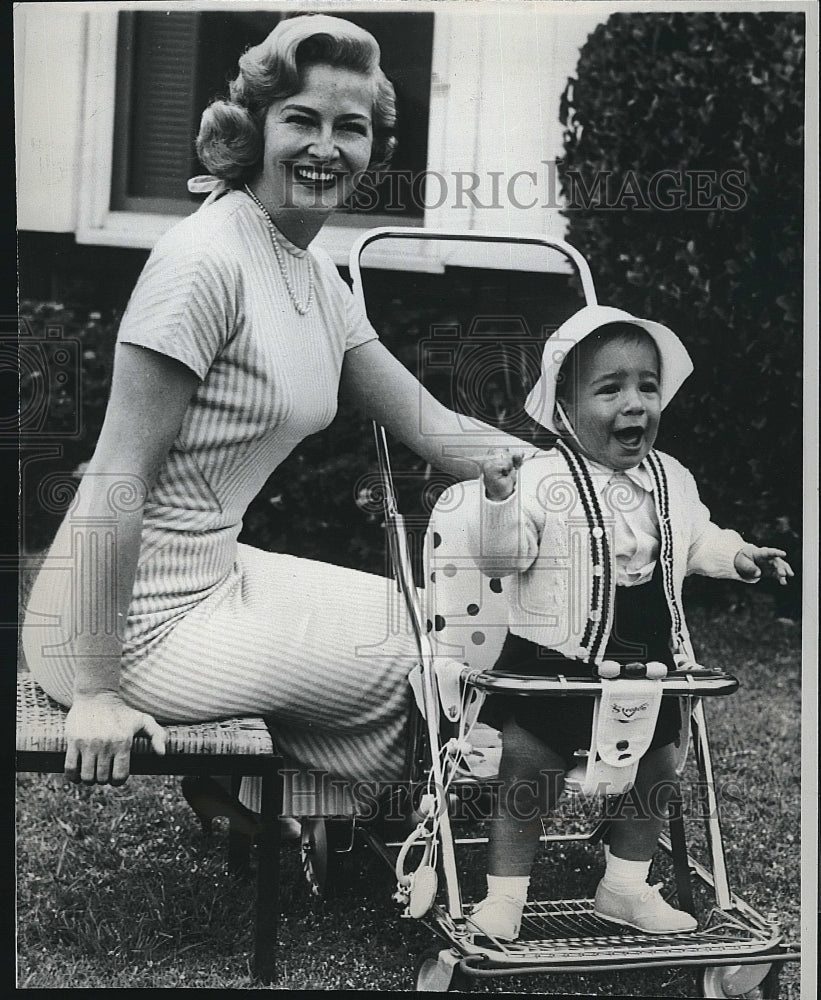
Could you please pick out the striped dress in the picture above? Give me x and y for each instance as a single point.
(217, 628)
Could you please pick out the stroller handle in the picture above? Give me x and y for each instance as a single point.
(469, 236)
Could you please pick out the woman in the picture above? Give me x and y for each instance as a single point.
(235, 345)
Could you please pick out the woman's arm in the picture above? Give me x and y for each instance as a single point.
(380, 385)
(149, 397)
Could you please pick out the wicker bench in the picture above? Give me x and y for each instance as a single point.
(235, 747)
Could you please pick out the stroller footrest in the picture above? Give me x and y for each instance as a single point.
(557, 932)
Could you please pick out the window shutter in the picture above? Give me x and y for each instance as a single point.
(157, 114)
(162, 126)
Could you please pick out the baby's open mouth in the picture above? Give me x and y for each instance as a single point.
(630, 437)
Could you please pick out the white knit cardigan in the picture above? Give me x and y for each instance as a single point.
(555, 532)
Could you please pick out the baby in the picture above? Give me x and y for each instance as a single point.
(601, 531)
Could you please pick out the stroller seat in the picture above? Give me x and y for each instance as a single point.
(466, 619)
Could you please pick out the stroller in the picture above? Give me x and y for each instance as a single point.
(459, 624)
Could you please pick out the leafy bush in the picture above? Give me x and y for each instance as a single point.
(65, 375)
(716, 98)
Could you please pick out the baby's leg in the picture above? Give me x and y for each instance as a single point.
(531, 779)
(624, 895)
(635, 834)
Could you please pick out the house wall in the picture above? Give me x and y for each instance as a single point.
(498, 73)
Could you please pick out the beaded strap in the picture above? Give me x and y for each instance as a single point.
(662, 495)
(597, 627)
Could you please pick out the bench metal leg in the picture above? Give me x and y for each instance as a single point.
(267, 907)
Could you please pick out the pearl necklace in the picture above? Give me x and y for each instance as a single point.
(300, 306)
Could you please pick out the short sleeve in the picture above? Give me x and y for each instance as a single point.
(184, 304)
(359, 328)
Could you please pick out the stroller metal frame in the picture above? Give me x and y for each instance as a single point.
(739, 950)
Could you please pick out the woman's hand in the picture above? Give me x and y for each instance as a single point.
(380, 385)
(752, 562)
(100, 730)
(499, 473)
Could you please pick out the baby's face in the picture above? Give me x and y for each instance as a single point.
(615, 404)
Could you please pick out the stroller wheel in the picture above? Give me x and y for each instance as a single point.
(438, 972)
(322, 844)
(753, 982)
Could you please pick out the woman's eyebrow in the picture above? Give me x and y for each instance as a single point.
(306, 109)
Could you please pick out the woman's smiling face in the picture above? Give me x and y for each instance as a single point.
(317, 143)
(614, 402)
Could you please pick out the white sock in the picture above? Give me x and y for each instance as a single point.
(514, 886)
(625, 876)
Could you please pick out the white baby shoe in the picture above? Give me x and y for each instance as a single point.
(644, 911)
(497, 916)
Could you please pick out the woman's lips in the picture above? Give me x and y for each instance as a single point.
(316, 176)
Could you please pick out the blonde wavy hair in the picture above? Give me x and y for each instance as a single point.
(230, 139)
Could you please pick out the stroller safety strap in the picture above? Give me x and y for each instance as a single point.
(624, 720)
(459, 702)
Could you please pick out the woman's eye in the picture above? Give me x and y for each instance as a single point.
(302, 120)
(607, 390)
(357, 128)
(649, 387)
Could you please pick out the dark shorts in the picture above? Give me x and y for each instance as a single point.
(641, 630)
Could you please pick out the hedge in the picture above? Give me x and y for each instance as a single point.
(683, 173)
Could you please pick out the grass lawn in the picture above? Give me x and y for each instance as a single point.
(119, 887)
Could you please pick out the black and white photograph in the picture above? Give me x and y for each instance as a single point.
(417, 496)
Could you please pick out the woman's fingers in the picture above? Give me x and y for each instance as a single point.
(121, 767)
(155, 732)
(72, 764)
(100, 731)
(88, 767)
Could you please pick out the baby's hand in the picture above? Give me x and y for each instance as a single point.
(752, 562)
(499, 473)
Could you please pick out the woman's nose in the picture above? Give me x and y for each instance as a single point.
(323, 145)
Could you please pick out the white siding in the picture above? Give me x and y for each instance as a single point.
(498, 74)
(50, 47)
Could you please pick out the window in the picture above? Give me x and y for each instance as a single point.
(170, 65)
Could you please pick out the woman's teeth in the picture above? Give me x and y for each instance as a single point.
(313, 176)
